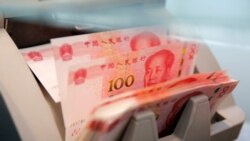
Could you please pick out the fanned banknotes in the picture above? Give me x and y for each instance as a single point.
(69, 51)
(117, 61)
(88, 85)
(104, 78)
(166, 100)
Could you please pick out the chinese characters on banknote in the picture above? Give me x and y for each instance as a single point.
(101, 79)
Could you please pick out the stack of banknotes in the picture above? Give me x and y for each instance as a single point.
(102, 79)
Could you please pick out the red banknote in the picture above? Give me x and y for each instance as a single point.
(41, 61)
(166, 100)
(120, 73)
(72, 50)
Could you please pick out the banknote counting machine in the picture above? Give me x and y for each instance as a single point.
(36, 117)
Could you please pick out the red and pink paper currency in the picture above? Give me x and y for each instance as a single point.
(41, 61)
(166, 100)
(130, 70)
(88, 85)
(97, 66)
(116, 67)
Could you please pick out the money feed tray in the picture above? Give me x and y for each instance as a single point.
(37, 117)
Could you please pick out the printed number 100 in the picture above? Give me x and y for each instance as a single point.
(118, 83)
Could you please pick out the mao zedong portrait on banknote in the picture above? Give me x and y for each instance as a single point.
(158, 67)
(143, 40)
